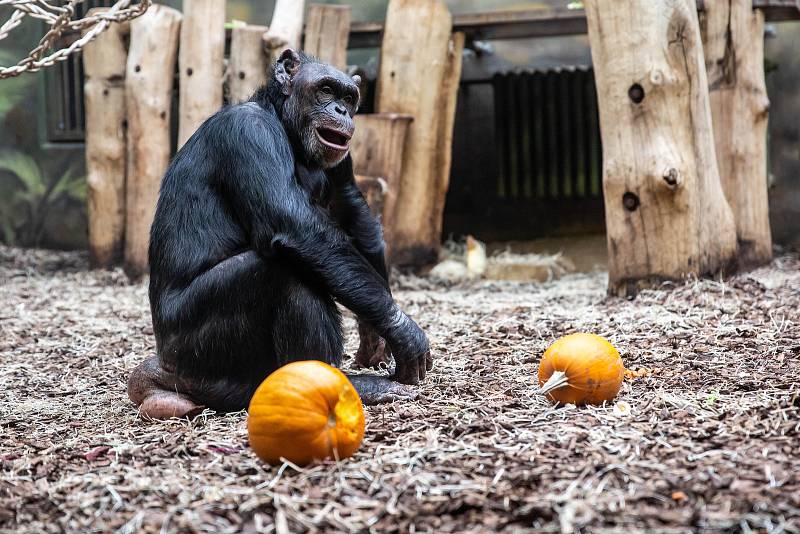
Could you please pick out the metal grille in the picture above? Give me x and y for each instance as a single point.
(547, 134)
(64, 88)
(526, 157)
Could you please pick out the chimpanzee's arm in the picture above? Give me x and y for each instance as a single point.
(351, 211)
(257, 177)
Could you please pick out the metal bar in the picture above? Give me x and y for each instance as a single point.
(501, 132)
(564, 129)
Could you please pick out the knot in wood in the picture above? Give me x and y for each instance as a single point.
(636, 93)
(630, 201)
(672, 177)
(656, 77)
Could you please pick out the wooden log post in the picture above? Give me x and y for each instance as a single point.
(327, 31)
(733, 41)
(247, 66)
(148, 93)
(444, 151)
(200, 58)
(377, 149)
(413, 80)
(666, 214)
(285, 29)
(104, 103)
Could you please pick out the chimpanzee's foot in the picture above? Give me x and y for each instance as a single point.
(372, 349)
(378, 389)
(146, 388)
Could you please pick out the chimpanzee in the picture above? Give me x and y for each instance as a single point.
(259, 231)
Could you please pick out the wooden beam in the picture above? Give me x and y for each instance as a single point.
(548, 22)
(526, 23)
(778, 10)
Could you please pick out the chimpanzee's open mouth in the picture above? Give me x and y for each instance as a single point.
(333, 138)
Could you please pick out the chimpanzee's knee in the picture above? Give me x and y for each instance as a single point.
(307, 326)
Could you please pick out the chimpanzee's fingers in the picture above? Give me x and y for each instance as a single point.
(421, 367)
(406, 372)
(428, 361)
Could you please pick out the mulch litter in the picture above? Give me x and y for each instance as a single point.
(704, 436)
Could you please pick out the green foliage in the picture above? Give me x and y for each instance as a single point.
(26, 201)
(12, 90)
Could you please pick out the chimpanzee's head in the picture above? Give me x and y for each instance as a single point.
(316, 105)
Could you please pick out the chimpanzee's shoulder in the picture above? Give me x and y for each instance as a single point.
(250, 110)
(248, 118)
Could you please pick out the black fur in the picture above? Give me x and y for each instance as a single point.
(252, 244)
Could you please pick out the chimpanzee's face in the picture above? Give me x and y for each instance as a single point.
(319, 109)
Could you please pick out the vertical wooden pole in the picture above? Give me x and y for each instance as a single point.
(247, 66)
(200, 58)
(148, 92)
(444, 151)
(327, 32)
(285, 29)
(733, 41)
(414, 63)
(666, 214)
(104, 96)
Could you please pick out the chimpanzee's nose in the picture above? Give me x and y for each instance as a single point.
(340, 110)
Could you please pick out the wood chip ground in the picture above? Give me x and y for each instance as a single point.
(705, 437)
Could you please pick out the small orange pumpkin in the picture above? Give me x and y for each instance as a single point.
(581, 369)
(305, 411)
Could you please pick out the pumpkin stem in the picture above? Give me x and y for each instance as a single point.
(557, 380)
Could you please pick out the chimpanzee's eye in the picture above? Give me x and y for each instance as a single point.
(348, 100)
(326, 89)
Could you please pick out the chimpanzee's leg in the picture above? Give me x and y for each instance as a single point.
(229, 329)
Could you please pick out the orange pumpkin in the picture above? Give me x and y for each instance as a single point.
(305, 411)
(581, 369)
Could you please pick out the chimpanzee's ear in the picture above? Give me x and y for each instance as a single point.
(357, 80)
(285, 69)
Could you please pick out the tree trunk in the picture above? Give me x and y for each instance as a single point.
(285, 29)
(414, 63)
(201, 54)
(327, 31)
(377, 148)
(247, 66)
(148, 93)
(733, 38)
(104, 97)
(666, 214)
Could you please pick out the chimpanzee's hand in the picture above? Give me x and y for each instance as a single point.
(342, 173)
(412, 354)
